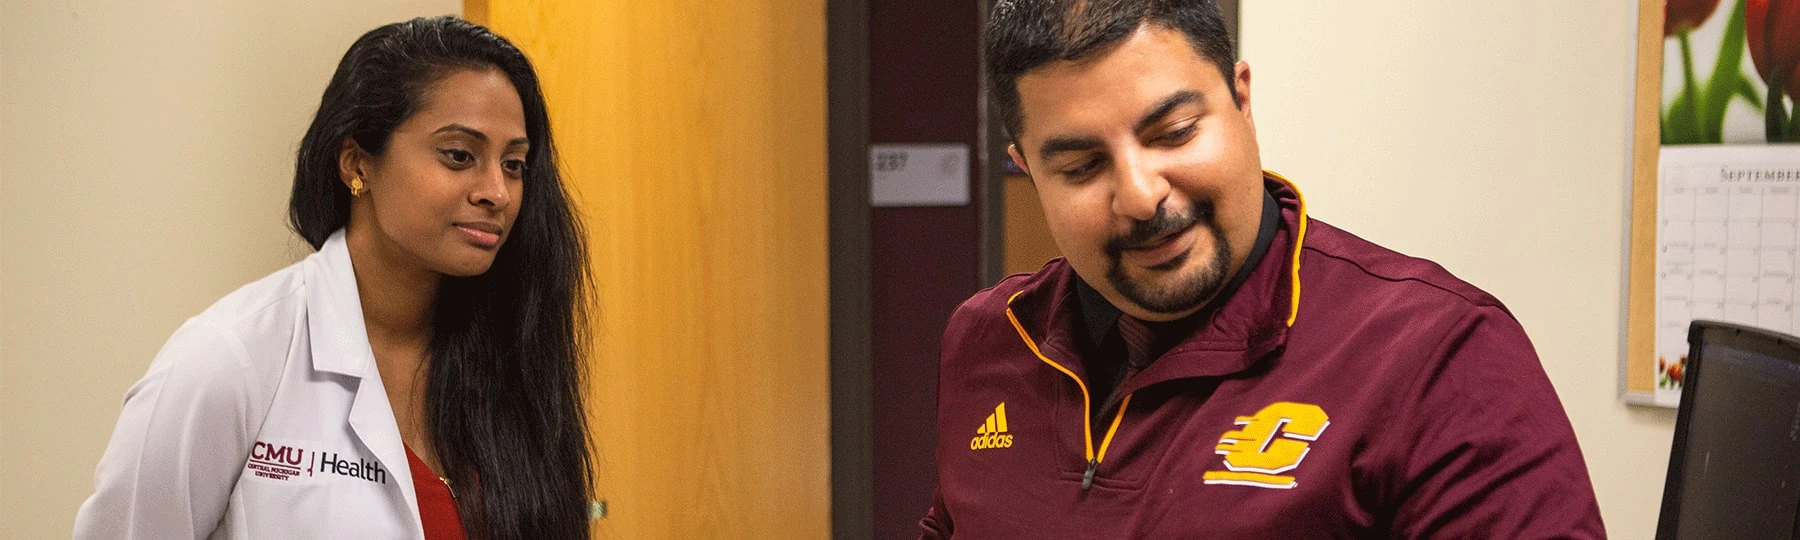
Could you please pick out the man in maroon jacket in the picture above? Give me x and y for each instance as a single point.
(1208, 361)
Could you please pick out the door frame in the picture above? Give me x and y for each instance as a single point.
(852, 370)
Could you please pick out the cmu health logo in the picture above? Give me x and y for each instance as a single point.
(286, 462)
(1266, 444)
(992, 433)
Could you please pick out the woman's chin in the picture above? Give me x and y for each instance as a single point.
(470, 268)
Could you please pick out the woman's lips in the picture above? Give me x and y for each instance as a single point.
(485, 235)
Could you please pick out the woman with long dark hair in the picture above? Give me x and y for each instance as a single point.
(417, 377)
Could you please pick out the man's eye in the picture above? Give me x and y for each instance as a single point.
(1084, 169)
(1179, 135)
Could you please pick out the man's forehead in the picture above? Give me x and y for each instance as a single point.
(1112, 88)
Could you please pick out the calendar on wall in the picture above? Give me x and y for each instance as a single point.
(1728, 246)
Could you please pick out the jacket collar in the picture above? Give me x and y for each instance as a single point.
(1249, 325)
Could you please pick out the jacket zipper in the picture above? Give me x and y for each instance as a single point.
(1087, 431)
(1087, 479)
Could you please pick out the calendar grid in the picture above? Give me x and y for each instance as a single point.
(1728, 247)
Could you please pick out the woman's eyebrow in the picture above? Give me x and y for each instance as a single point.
(478, 135)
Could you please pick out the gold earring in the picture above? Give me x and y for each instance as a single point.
(356, 187)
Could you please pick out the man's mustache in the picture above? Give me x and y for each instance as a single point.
(1159, 225)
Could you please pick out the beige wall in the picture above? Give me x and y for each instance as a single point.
(146, 151)
(1491, 138)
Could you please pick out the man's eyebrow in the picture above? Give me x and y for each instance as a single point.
(478, 135)
(1056, 145)
(1169, 104)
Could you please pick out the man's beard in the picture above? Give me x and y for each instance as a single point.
(1182, 293)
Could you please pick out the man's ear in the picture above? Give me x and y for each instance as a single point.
(1240, 85)
(1012, 151)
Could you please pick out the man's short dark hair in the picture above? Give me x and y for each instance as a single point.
(1023, 35)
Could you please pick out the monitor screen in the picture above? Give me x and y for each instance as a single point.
(1739, 461)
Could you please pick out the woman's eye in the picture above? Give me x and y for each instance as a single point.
(515, 166)
(459, 157)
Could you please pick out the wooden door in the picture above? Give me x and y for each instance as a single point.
(694, 135)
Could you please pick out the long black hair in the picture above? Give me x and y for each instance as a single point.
(503, 391)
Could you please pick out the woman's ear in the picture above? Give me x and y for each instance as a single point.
(353, 162)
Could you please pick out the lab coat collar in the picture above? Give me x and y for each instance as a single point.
(340, 344)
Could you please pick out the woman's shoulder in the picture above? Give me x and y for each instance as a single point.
(243, 339)
(260, 309)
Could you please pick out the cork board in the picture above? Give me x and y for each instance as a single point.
(1637, 366)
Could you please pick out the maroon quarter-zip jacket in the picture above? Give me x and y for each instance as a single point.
(1344, 391)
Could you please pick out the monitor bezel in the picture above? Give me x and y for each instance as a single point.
(1714, 333)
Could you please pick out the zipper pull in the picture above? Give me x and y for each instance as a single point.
(1087, 478)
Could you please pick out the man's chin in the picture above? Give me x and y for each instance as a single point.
(1169, 268)
(1177, 287)
(1165, 294)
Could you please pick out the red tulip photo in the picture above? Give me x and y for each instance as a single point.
(1772, 28)
(1711, 99)
(1680, 16)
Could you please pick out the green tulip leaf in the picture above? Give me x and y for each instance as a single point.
(1747, 89)
(1723, 84)
(1680, 125)
(1775, 120)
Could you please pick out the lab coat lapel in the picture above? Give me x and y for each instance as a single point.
(372, 420)
(340, 344)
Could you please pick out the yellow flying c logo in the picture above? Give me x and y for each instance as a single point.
(1266, 444)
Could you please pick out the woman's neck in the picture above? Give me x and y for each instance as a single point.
(397, 293)
(398, 297)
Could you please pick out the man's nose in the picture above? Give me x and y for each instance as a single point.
(1140, 190)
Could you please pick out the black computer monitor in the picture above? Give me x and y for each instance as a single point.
(1734, 470)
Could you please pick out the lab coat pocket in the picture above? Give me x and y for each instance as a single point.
(267, 508)
(324, 505)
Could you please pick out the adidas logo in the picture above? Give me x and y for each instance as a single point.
(992, 434)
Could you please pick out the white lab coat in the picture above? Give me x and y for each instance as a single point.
(263, 417)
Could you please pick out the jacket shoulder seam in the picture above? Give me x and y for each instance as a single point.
(1471, 300)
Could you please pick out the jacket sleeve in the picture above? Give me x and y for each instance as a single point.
(936, 524)
(1487, 451)
(180, 443)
